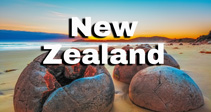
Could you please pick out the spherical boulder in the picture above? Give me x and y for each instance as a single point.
(143, 46)
(146, 49)
(76, 48)
(110, 49)
(127, 48)
(165, 51)
(170, 61)
(63, 88)
(124, 73)
(156, 46)
(165, 89)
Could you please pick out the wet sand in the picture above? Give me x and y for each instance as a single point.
(196, 64)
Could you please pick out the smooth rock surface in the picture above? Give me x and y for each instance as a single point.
(91, 94)
(125, 73)
(110, 49)
(165, 89)
(143, 46)
(127, 48)
(170, 61)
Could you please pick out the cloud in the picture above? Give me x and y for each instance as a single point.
(58, 14)
(47, 5)
(54, 15)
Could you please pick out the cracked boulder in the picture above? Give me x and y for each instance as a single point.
(127, 48)
(63, 88)
(156, 46)
(170, 61)
(110, 49)
(125, 73)
(143, 46)
(165, 89)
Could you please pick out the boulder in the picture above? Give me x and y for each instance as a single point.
(127, 48)
(170, 61)
(63, 88)
(1, 93)
(157, 46)
(165, 51)
(165, 89)
(76, 48)
(146, 49)
(125, 73)
(143, 46)
(93, 93)
(110, 49)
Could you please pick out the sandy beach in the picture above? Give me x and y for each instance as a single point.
(196, 64)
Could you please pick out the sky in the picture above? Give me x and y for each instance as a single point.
(172, 18)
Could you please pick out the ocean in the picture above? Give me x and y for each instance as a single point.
(6, 46)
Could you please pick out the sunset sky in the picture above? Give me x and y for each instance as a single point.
(173, 18)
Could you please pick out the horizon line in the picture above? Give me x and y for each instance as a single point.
(91, 37)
